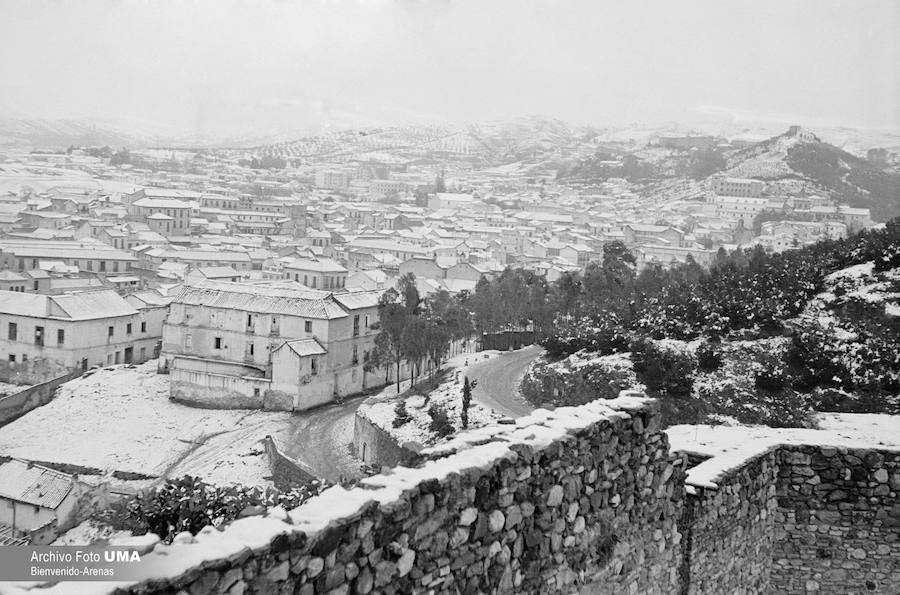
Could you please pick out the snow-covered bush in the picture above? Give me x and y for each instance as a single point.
(440, 422)
(401, 415)
(600, 334)
(664, 370)
(578, 379)
(189, 504)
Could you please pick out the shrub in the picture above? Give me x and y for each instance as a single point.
(663, 371)
(189, 504)
(440, 422)
(708, 358)
(771, 380)
(401, 415)
(578, 379)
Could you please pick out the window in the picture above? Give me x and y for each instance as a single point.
(143, 353)
(35, 285)
(60, 336)
(12, 358)
(118, 355)
(355, 359)
(24, 357)
(356, 326)
(38, 335)
(367, 321)
(143, 327)
(13, 331)
(313, 366)
(102, 266)
(217, 342)
(128, 329)
(307, 326)
(111, 331)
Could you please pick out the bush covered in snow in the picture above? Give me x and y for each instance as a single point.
(578, 379)
(846, 342)
(189, 504)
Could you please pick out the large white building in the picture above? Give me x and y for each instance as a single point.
(743, 187)
(273, 345)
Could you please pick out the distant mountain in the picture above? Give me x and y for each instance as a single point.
(46, 134)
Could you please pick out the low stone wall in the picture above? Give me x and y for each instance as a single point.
(286, 472)
(18, 404)
(374, 446)
(729, 531)
(581, 499)
(586, 495)
(838, 521)
(217, 391)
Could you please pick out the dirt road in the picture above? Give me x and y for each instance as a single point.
(498, 381)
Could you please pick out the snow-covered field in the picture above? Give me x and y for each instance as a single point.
(380, 409)
(730, 446)
(121, 419)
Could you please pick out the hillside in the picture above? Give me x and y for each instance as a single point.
(812, 329)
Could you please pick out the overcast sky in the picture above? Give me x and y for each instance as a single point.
(222, 66)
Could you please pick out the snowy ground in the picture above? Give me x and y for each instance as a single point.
(730, 446)
(121, 419)
(380, 409)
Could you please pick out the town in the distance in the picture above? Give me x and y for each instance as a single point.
(250, 325)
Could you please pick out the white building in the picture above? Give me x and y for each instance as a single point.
(274, 345)
(742, 187)
(46, 336)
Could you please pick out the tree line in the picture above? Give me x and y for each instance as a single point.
(415, 329)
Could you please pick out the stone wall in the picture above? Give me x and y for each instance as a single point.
(375, 446)
(18, 404)
(286, 472)
(838, 521)
(729, 531)
(578, 500)
(586, 495)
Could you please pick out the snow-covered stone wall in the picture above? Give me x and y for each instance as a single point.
(729, 530)
(375, 445)
(581, 499)
(838, 521)
(577, 495)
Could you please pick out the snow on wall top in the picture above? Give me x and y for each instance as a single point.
(472, 449)
(729, 447)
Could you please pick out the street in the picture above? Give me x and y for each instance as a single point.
(498, 381)
(321, 438)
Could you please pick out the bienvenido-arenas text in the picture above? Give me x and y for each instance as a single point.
(71, 571)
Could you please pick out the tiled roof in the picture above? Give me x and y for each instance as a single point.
(270, 298)
(34, 484)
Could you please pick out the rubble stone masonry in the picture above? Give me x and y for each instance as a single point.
(578, 500)
(837, 527)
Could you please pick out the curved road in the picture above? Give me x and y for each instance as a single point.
(321, 438)
(499, 378)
